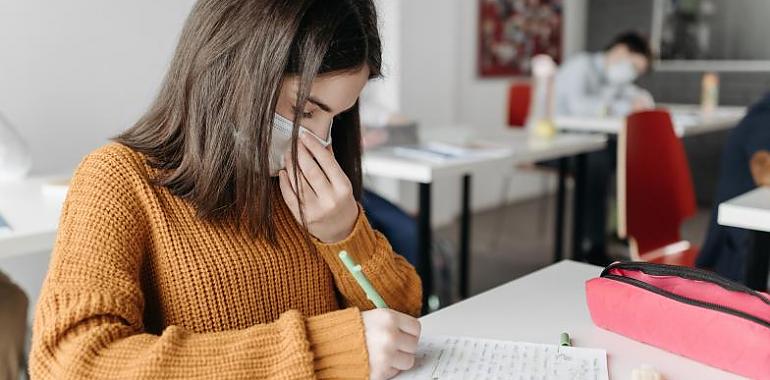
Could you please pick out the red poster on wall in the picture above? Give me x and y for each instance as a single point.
(511, 32)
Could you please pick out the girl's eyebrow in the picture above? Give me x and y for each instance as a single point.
(319, 103)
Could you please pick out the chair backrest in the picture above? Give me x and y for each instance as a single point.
(519, 98)
(655, 190)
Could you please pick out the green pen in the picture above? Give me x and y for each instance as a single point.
(565, 340)
(363, 282)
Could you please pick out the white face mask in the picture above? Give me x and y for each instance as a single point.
(280, 143)
(622, 72)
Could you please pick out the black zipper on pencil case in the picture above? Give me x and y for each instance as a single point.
(686, 300)
(686, 273)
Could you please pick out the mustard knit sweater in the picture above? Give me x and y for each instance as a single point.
(139, 287)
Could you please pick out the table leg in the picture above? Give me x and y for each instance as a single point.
(758, 261)
(465, 234)
(425, 239)
(578, 208)
(558, 248)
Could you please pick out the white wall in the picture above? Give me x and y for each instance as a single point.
(75, 72)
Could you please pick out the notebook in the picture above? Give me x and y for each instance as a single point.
(456, 358)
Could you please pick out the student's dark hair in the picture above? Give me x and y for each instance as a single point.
(635, 42)
(209, 129)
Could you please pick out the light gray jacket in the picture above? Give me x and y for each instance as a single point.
(581, 89)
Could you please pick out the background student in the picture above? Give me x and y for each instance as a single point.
(203, 242)
(745, 165)
(601, 85)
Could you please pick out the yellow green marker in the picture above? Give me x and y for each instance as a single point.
(363, 282)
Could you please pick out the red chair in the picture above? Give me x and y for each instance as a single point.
(519, 97)
(655, 190)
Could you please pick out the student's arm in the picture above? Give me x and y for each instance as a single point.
(393, 277)
(89, 320)
(330, 210)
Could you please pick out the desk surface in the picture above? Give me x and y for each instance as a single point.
(750, 211)
(32, 215)
(688, 120)
(510, 147)
(538, 307)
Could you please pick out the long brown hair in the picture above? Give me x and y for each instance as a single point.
(209, 129)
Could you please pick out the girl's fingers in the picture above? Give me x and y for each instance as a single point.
(403, 361)
(313, 173)
(326, 161)
(391, 373)
(302, 180)
(287, 191)
(409, 324)
(303, 188)
(289, 170)
(309, 196)
(407, 343)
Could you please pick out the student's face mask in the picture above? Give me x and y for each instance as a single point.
(622, 72)
(280, 143)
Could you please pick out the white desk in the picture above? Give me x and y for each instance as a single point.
(510, 147)
(751, 211)
(515, 147)
(32, 216)
(688, 121)
(538, 307)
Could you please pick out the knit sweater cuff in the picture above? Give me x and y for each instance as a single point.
(360, 243)
(337, 340)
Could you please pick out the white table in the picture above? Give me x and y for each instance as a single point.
(538, 307)
(32, 215)
(688, 120)
(510, 147)
(751, 211)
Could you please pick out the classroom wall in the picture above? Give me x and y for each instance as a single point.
(76, 72)
(609, 17)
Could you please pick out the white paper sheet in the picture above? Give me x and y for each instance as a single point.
(456, 358)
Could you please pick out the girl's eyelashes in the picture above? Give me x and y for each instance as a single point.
(305, 114)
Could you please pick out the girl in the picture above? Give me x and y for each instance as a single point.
(203, 242)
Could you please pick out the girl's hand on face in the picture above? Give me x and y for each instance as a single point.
(327, 195)
(391, 341)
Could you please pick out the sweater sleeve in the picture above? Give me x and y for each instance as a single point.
(89, 320)
(393, 277)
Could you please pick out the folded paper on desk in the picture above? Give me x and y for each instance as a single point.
(438, 152)
(445, 357)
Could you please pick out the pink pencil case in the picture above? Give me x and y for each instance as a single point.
(687, 311)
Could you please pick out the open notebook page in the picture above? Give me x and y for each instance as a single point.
(458, 358)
